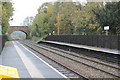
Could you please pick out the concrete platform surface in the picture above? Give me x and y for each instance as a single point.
(28, 64)
(112, 51)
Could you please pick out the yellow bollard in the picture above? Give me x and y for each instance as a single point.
(8, 73)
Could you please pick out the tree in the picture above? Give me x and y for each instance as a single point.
(0, 12)
(28, 21)
(66, 21)
(77, 18)
(7, 12)
(109, 15)
(43, 24)
(73, 18)
(85, 21)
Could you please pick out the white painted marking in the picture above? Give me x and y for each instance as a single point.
(43, 61)
(28, 64)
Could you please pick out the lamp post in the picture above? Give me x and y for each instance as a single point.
(58, 24)
(59, 17)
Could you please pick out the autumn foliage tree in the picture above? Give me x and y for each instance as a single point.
(7, 12)
(74, 18)
(109, 15)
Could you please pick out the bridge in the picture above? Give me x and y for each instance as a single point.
(20, 28)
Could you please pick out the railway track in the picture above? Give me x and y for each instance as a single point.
(60, 67)
(105, 57)
(81, 56)
(80, 65)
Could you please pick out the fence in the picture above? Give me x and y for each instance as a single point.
(112, 41)
(3, 39)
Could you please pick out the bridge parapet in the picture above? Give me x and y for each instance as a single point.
(20, 28)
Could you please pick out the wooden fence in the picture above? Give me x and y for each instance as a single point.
(112, 41)
(3, 39)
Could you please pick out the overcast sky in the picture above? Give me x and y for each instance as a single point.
(26, 8)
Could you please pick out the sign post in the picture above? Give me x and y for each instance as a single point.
(106, 28)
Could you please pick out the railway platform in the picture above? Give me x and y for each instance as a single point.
(29, 65)
(106, 50)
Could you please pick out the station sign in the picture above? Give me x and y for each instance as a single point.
(106, 28)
